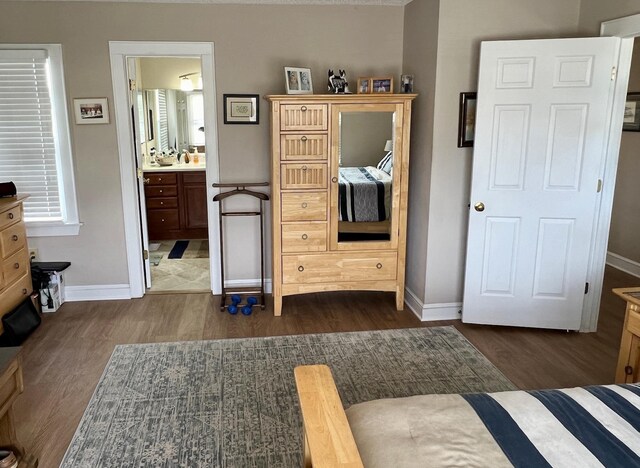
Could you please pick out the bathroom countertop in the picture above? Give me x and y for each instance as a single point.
(179, 167)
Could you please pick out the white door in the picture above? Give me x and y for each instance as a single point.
(542, 121)
(138, 134)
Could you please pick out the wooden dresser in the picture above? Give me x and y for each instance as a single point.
(315, 138)
(628, 369)
(15, 276)
(176, 204)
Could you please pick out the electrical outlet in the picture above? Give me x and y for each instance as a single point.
(33, 254)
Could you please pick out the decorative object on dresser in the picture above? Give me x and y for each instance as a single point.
(337, 84)
(298, 80)
(91, 111)
(628, 369)
(8, 189)
(241, 109)
(15, 276)
(176, 204)
(467, 119)
(406, 83)
(339, 203)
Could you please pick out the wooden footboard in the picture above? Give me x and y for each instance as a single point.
(328, 441)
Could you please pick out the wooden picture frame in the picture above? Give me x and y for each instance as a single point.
(364, 85)
(91, 111)
(298, 80)
(241, 109)
(631, 122)
(467, 120)
(382, 85)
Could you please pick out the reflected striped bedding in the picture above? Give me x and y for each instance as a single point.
(578, 427)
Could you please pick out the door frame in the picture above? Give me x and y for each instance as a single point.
(627, 29)
(118, 53)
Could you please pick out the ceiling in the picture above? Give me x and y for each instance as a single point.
(262, 2)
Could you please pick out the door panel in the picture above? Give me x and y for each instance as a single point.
(542, 117)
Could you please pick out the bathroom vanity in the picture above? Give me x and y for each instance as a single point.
(176, 201)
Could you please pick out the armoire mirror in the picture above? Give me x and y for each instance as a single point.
(365, 175)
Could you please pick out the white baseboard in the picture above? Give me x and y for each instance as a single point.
(624, 264)
(97, 292)
(430, 312)
(249, 283)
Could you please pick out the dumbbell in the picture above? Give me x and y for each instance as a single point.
(246, 310)
(252, 301)
(232, 309)
(236, 299)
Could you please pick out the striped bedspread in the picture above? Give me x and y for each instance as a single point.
(578, 427)
(364, 194)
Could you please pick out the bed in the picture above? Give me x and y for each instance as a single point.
(588, 426)
(364, 194)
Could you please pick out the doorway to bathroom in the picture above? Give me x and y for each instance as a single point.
(165, 115)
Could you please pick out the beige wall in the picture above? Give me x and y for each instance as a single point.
(594, 12)
(419, 58)
(462, 25)
(252, 45)
(625, 217)
(164, 72)
(363, 137)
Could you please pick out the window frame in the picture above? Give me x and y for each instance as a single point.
(70, 224)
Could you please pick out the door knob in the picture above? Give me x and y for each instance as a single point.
(479, 206)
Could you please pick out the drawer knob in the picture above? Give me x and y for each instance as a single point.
(16, 265)
(162, 220)
(304, 237)
(379, 266)
(10, 215)
(304, 205)
(304, 138)
(159, 179)
(300, 268)
(304, 168)
(334, 179)
(24, 290)
(303, 108)
(160, 191)
(14, 237)
(162, 203)
(628, 370)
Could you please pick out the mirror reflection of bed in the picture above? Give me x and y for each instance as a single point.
(365, 176)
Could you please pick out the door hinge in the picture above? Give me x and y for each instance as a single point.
(132, 85)
(140, 174)
(614, 73)
(599, 188)
(586, 288)
(145, 254)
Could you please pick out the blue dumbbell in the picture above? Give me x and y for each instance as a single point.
(232, 309)
(246, 310)
(236, 299)
(252, 301)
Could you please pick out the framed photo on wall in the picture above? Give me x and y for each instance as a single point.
(241, 109)
(467, 120)
(298, 80)
(631, 122)
(91, 111)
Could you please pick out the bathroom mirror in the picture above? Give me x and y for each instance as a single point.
(174, 119)
(365, 176)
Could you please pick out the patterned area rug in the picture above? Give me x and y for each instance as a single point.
(233, 403)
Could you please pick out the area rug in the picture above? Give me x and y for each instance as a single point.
(233, 403)
(185, 249)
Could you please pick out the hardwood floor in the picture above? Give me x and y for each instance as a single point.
(64, 359)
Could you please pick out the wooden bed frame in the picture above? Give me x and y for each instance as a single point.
(328, 441)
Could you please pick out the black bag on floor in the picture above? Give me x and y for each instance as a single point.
(19, 324)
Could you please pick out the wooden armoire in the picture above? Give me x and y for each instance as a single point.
(340, 174)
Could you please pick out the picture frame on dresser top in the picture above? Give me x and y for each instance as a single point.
(241, 109)
(364, 85)
(298, 80)
(382, 85)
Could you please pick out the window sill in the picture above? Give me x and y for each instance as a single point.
(44, 229)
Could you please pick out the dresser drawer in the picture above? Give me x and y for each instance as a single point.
(338, 267)
(10, 216)
(194, 177)
(304, 206)
(163, 219)
(14, 295)
(304, 237)
(12, 239)
(303, 176)
(303, 147)
(161, 191)
(162, 202)
(163, 178)
(15, 266)
(303, 117)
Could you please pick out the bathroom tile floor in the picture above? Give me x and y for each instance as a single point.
(189, 273)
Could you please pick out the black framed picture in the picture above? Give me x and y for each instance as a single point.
(467, 119)
(631, 122)
(241, 109)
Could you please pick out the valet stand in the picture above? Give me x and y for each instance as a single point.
(241, 189)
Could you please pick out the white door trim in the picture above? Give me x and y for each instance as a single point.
(626, 28)
(119, 51)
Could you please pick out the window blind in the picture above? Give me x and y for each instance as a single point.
(27, 143)
(163, 121)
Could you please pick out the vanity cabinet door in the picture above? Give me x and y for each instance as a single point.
(195, 202)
